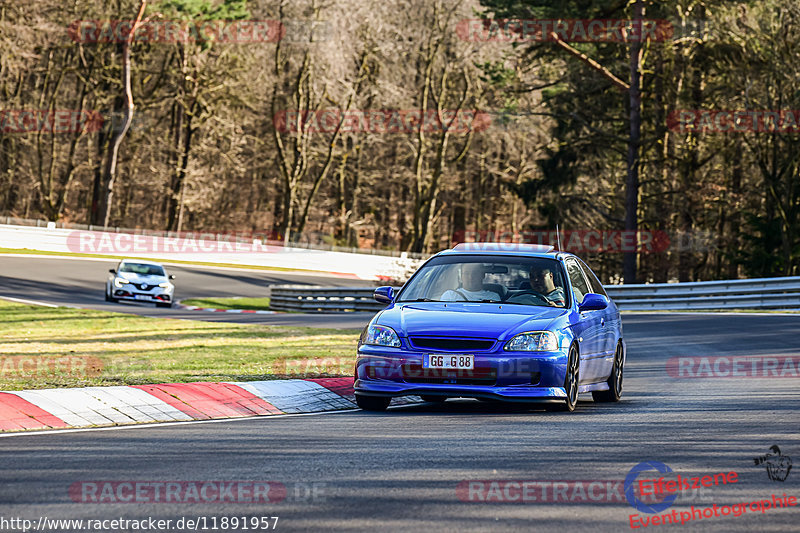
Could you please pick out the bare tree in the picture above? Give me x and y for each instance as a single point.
(118, 135)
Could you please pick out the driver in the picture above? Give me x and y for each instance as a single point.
(472, 290)
(542, 282)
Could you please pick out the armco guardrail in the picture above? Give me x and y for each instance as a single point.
(322, 299)
(764, 293)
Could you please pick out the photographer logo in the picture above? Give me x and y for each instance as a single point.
(778, 465)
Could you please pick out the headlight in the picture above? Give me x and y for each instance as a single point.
(119, 282)
(164, 285)
(533, 341)
(381, 336)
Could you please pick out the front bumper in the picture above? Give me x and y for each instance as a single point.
(134, 295)
(510, 376)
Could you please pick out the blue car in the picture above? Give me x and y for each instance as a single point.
(494, 321)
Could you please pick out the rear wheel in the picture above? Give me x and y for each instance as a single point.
(372, 403)
(432, 399)
(571, 381)
(614, 391)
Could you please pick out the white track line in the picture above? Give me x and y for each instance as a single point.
(28, 433)
(34, 302)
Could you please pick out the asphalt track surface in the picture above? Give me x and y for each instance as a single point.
(399, 470)
(81, 282)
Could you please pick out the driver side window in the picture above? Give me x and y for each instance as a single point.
(579, 287)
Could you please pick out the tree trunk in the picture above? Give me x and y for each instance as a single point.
(118, 136)
(179, 190)
(632, 181)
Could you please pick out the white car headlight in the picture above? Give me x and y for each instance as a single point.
(119, 282)
(381, 336)
(533, 341)
(164, 285)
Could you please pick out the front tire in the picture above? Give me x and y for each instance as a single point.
(614, 392)
(372, 403)
(571, 381)
(162, 304)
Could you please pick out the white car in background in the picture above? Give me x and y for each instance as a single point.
(140, 281)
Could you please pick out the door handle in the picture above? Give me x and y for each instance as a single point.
(602, 321)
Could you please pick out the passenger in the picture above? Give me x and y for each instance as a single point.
(471, 289)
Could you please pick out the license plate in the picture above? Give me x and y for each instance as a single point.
(141, 297)
(450, 362)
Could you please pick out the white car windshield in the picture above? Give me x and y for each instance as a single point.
(142, 269)
(515, 280)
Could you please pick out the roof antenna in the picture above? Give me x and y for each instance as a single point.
(558, 238)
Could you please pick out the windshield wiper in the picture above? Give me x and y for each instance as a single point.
(419, 300)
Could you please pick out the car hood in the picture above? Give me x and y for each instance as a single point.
(139, 278)
(456, 319)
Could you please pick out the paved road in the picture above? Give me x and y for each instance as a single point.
(80, 282)
(398, 471)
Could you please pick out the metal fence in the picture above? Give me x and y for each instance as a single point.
(305, 299)
(765, 293)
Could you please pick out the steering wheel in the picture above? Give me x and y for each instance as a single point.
(530, 293)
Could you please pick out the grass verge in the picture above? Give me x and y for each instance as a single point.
(44, 347)
(257, 304)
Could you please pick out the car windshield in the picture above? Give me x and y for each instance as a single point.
(142, 269)
(535, 281)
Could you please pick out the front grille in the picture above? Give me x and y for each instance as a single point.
(144, 286)
(477, 376)
(439, 343)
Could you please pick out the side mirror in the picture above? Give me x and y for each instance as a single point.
(172, 276)
(112, 270)
(593, 302)
(384, 295)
